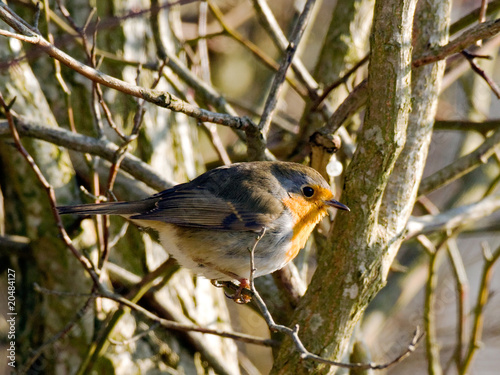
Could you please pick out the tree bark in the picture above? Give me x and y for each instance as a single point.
(356, 263)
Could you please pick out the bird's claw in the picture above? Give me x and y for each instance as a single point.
(239, 295)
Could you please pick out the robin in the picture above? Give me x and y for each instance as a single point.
(209, 223)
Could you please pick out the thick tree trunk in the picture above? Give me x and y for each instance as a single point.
(357, 261)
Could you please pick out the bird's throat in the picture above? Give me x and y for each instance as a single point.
(306, 215)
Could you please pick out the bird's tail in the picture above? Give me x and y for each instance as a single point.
(109, 208)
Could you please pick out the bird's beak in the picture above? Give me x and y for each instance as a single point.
(337, 204)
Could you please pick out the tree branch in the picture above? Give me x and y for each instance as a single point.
(100, 147)
(482, 31)
(160, 98)
(293, 334)
(279, 78)
(357, 245)
(461, 166)
(453, 218)
(358, 96)
(482, 300)
(271, 25)
(482, 127)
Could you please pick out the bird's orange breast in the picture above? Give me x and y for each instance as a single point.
(306, 214)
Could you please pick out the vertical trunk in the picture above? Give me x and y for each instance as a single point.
(355, 267)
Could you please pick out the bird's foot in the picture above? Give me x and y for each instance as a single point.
(242, 292)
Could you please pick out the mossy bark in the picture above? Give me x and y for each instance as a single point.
(355, 267)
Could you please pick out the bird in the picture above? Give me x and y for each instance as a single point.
(210, 223)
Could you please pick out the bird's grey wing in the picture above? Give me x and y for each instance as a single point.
(200, 208)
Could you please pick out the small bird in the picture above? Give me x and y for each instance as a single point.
(210, 223)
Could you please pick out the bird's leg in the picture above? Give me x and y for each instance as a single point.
(242, 291)
(239, 297)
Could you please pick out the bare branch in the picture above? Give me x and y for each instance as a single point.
(294, 333)
(476, 68)
(136, 337)
(269, 22)
(356, 99)
(482, 31)
(184, 327)
(279, 78)
(87, 265)
(482, 127)
(14, 245)
(469, 19)
(359, 95)
(462, 287)
(453, 218)
(482, 300)
(432, 347)
(28, 39)
(100, 147)
(338, 82)
(461, 166)
(160, 98)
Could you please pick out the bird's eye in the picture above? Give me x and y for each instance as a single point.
(308, 191)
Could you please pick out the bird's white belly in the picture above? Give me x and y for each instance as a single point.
(223, 255)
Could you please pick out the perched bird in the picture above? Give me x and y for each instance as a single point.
(210, 223)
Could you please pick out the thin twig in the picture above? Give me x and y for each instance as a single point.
(279, 78)
(136, 337)
(269, 22)
(205, 91)
(119, 235)
(87, 265)
(185, 327)
(34, 39)
(160, 98)
(339, 82)
(482, 16)
(356, 99)
(476, 68)
(39, 289)
(119, 156)
(100, 147)
(202, 43)
(252, 258)
(473, 17)
(483, 127)
(107, 112)
(426, 244)
(461, 166)
(208, 93)
(271, 25)
(211, 129)
(255, 50)
(482, 11)
(432, 347)
(459, 65)
(453, 218)
(482, 300)
(482, 31)
(359, 94)
(294, 333)
(462, 285)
